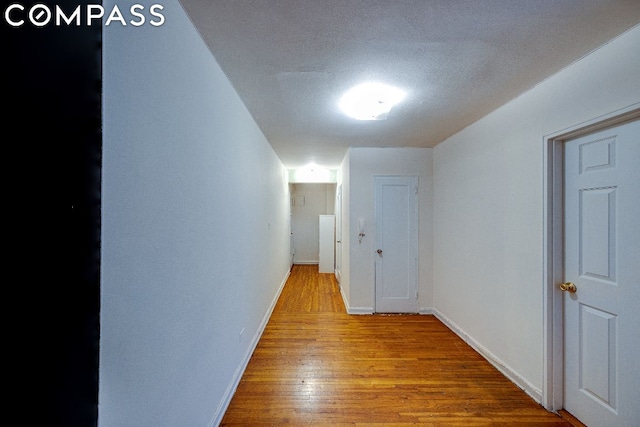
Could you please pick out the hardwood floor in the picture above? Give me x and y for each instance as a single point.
(315, 365)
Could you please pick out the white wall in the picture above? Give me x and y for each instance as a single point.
(488, 206)
(319, 199)
(195, 229)
(364, 164)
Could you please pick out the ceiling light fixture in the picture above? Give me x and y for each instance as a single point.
(312, 173)
(370, 101)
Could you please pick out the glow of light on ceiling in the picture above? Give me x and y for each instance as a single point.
(370, 101)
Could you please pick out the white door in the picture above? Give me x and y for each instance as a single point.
(338, 210)
(396, 244)
(602, 261)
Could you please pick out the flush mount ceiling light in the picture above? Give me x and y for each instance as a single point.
(313, 173)
(370, 101)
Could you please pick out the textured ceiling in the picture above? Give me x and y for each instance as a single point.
(291, 60)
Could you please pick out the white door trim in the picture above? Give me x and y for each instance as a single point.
(553, 265)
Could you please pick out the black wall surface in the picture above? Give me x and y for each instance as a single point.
(51, 132)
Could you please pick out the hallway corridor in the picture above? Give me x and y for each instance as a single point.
(316, 365)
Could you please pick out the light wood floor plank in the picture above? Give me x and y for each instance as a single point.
(315, 365)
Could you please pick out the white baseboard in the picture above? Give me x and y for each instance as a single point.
(534, 392)
(345, 301)
(228, 395)
(306, 262)
(354, 310)
(360, 310)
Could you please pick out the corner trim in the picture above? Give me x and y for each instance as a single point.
(354, 310)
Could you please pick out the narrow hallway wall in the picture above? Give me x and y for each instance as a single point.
(488, 207)
(195, 229)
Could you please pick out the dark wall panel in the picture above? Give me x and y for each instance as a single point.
(51, 184)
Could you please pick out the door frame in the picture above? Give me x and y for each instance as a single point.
(338, 244)
(553, 248)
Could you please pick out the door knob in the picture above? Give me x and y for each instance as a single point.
(568, 287)
(379, 252)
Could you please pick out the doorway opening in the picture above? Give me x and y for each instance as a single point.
(308, 202)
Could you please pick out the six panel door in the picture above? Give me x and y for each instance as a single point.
(602, 261)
